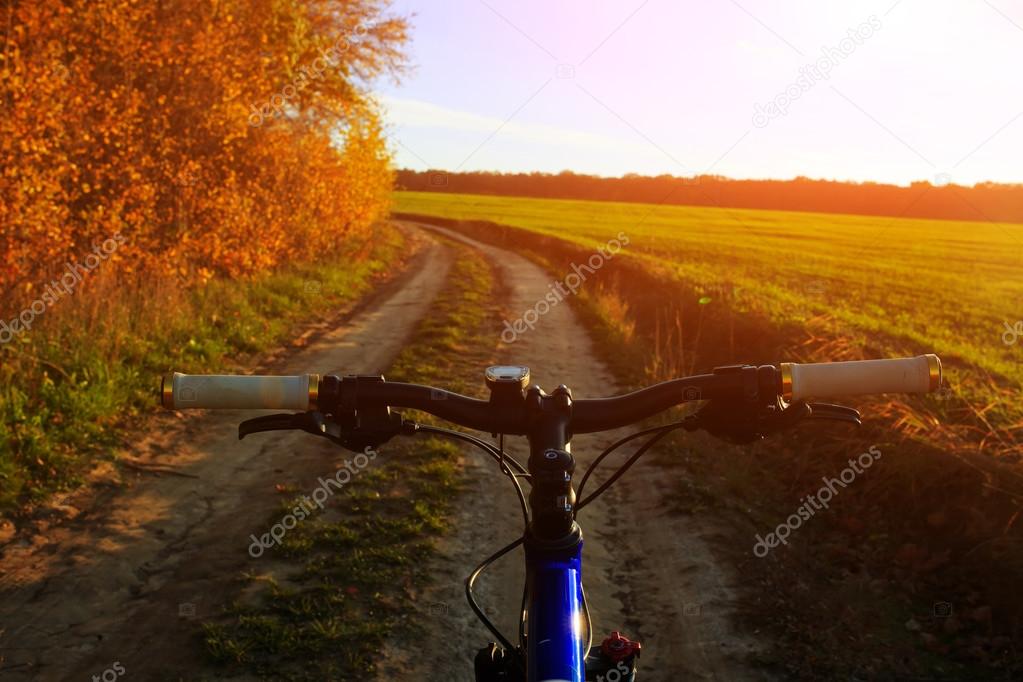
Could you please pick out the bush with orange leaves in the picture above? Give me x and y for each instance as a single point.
(194, 143)
(137, 118)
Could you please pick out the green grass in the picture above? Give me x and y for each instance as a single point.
(345, 568)
(351, 570)
(70, 386)
(895, 285)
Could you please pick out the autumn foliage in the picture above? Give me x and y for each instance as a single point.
(174, 175)
(137, 118)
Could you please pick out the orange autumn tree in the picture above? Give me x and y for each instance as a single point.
(216, 136)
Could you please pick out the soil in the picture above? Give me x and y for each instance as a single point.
(123, 570)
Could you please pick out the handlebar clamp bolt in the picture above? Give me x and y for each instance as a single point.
(563, 397)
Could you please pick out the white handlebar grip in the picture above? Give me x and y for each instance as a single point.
(921, 374)
(220, 391)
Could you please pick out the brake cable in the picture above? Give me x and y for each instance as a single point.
(471, 580)
(659, 433)
(504, 460)
(499, 455)
(458, 435)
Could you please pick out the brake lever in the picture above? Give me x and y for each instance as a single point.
(835, 413)
(785, 416)
(310, 422)
(373, 430)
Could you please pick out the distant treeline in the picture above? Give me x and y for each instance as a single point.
(985, 202)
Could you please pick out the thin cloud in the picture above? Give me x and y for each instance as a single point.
(413, 113)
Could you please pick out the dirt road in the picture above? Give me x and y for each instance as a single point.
(114, 583)
(649, 575)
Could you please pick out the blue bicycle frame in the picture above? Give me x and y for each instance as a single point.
(556, 644)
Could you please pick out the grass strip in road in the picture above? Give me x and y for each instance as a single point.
(346, 576)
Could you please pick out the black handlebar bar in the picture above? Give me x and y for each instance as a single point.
(512, 414)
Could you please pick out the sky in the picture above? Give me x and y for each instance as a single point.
(890, 91)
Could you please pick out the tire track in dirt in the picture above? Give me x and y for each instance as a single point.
(649, 574)
(107, 586)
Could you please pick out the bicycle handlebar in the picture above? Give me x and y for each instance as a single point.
(920, 374)
(588, 415)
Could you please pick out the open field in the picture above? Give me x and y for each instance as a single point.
(890, 285)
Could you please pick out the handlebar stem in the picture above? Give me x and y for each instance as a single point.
(551, 465)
